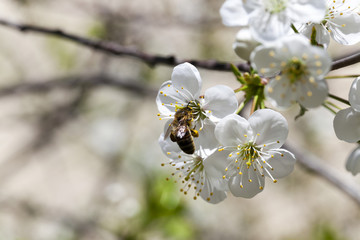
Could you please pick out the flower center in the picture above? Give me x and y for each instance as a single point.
(275, 6)
(197, 111)
(295, 69)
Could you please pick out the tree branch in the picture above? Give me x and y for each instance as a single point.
(119, 50)
(346, 61)
(78, 81)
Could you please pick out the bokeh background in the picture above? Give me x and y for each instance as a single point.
(81, 161)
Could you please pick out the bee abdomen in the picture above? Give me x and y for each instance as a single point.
(187, 145)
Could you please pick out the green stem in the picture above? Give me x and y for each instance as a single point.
(346, 76)
(332, 104)
(328, 108)
(294, 28)
(242, 105)
(339, 99)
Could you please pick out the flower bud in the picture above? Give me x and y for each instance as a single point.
(244, 44)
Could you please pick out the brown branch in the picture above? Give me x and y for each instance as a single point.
(119, 50)
(346, 61)
(78, 81)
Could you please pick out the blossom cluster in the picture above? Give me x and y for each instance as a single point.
(212, 149)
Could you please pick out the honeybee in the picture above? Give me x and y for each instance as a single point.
(181, 131)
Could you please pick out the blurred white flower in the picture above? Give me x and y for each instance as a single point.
(297, 70)
(253, 150)
(244, 44)
(270, 20)
(341, 22)
(183, 90)
(347, 121)
(199, 171)
(353, 162)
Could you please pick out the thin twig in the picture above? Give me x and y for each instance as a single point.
(119, 50)
(314, 164)
(346, 61)
(152, 60)
(78, 81)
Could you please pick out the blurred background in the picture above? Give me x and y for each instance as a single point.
(81, 161)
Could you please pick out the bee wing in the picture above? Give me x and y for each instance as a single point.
(181, 132)
(168, 131)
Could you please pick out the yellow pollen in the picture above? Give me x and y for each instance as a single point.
(318, 63)
(271, 53)
(224, 177)
(181, 190)
(264, 145)
(169, 85)
(230, 155)
(185, 193)
(271, 156)
(343, 25)
(245, 135)
(237, 153)
(162, 164)
(238, 168)
(282, 155)
(208, 199)
(278, 77)
(167, 179)
(250, 180)
(158, 114)
(165, 95)
(275, 181)
(161, 92)
(194, 197)
(270, 89)
(309, 93)
(261, 187)
(240, 173)
(160, 118)
(262, 71)
(211, 193)
(241, 186)
(226, 169)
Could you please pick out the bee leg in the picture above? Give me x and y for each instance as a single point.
(194, 133)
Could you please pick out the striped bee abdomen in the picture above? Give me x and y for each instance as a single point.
(186, 143)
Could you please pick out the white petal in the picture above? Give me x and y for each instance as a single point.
(345, 29)
(206, 139)
(347, 125)
(186, 79)
(271, 126)
(322, 35)
(214, 166)
(220, 100)
(312, 95)
(307, 11)
(211, 194)
(279, 93)
(353, 162)
(249, 189)
(244, 44)
(233, 130)
(318, 62)
(167, 98)
(169, 148)
(269, 27)
(282, 163)
(233, 13)
(354, 94)
(262, 57)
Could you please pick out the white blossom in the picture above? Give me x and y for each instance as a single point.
(270, 20)
(199, 171)
(353, 162)
(253, 150)
(347, 121)
(297, 70)
(184, 89)
(341, 22)
(244, 44)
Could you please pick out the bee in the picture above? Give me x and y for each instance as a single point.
(181, 131)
